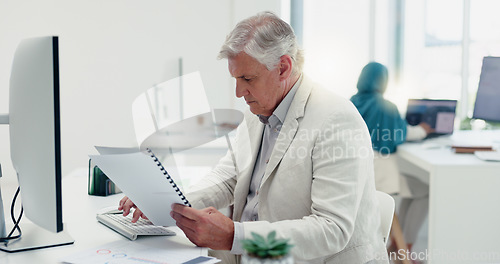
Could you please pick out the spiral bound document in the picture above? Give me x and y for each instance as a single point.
(142, 177)
(169, 178)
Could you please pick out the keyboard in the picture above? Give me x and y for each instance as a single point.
(124, 226)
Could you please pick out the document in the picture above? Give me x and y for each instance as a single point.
(142, 177)
(132, 252)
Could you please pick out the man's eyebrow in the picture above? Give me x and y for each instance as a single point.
(245, 76)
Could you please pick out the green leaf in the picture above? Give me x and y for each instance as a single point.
(260, 241)
(266, 247)
(284, 248)
(275, 253)
(258, 238)
(250, 247)
(271, 237)
(278, 242)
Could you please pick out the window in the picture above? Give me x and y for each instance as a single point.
(484, 41)
(336, 42)
(434, 47)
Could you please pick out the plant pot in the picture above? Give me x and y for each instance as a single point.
(246, 259)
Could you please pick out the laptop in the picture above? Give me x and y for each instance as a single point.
(439, 114)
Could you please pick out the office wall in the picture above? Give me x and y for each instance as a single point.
(111, 51)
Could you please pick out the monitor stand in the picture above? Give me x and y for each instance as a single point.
(35, 237)
(3, 233)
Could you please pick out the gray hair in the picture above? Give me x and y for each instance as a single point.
(264, 37)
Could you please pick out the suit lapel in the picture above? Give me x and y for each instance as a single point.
(290, 127)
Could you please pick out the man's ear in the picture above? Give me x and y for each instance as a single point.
(286, 67)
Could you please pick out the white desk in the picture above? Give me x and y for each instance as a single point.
(464, 199)
(79, 210)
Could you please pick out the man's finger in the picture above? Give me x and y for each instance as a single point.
(122, 202)
(137, 214)
(186, 211)
(126, 207)
(188, 231)
(182, 220)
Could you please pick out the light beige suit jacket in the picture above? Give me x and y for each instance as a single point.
(318, 189)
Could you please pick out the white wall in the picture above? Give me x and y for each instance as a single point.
(111, 51)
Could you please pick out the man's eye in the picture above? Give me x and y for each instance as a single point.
(247, 79)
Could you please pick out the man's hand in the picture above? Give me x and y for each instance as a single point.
(205, 228)
(126, 204)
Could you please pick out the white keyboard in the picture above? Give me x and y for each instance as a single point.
(124, 226)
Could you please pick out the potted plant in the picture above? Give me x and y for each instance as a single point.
(266, 251)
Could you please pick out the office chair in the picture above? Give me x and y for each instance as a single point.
(387, 207)
(389, 223)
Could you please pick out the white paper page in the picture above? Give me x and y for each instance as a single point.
(488, 155)
(141, 179)
(112, 150)
(168, 161)
(131, 252)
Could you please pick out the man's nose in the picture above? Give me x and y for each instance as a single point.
(240, 89)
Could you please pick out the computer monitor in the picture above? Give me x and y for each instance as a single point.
(487, 106)
(438, 114)
(35, 142)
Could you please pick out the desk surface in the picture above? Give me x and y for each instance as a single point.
(79, 211)
(438, 151)
(463, 197)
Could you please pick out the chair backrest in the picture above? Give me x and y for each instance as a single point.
(387, 207)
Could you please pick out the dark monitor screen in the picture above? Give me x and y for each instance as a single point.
(487, 104)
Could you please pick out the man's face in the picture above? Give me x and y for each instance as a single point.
(261, 88)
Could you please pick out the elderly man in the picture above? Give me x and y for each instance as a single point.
(302, 164)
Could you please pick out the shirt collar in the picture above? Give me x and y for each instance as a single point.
(279, 114)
